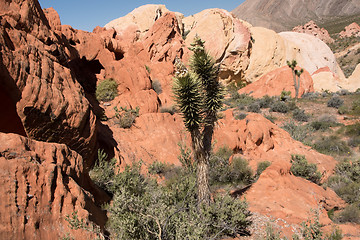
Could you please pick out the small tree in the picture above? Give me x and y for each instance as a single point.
(199, 95)
(296, 76)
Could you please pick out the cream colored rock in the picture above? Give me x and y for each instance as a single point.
(353, 82)
(310, 52)
(140, 20)
(226, 38)
(267, 54)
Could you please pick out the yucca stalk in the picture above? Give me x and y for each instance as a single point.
(199, 96)
(296, 76)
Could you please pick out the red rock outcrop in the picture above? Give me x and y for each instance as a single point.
(313, 29)
(274, 82)
(33, 67)
(353, 30)
(42, 183)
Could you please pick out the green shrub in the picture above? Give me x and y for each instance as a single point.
(270, 117)
(346, 181)
(279, 106)
(126, 117)
(335, 102)
(292, 105)
(223, 172)
(265, 101)
(157, 168)
(240, 116)
(239, 100)
(299, 115)
(300, 167)
(254, 107)
(350, 214)
(324, 122)
(298, 132)
(156, 85)
(331, 145)
(103, 173)
(262, 166)
(311, 95)
(343, 110)
(106, 90)
(285, 95)
(355, 108)
(143, 209)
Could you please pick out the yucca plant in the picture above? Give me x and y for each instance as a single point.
(296, 76)
(199, 96)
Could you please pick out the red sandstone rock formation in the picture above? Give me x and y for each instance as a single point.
(353, 30)
(274, 82)
(313, 29)
(41, 184)
(33, 68)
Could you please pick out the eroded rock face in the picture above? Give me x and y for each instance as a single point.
(227, 40)
(33, 68)
(276, 81)
(351, 30)
(313, 29)
(41, 184)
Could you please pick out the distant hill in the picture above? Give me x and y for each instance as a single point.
(282, 15)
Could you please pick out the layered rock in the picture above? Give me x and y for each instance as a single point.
(33, 67)
(42, 183)
(313, 29)
(353, 30)
(226, 38)
(276, 81)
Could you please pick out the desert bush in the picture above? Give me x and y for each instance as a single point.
(126, 117)
(240, 116)
(346, 181)
(300, 167)
(103, 172)
(143, 209)
(300, 115)
(265, 101)
(158, 168)
(106, 90)
(331, 145)
(254, 107)
(324, 122)
(335, 102)
(292, 105)
(168, 109)
(355, 108)
(350, 214)
(311, 95)
(223, 172)
(262, 166)
(285, 95)
(279, 106)
(298, 132)
(156, 86)
(343, 92)
(270, 117)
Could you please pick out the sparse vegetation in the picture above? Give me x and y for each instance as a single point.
(300, 167)
(335, 102)
(156, 85)
(331, 145)
(300, 115)
(279, 106)
(126, 117)
(262, 166)
(106, 90)
(254, 107)
(299, 132)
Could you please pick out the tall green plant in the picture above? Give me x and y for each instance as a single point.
(199, 96)
(296, 76)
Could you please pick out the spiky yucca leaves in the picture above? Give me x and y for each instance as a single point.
(204, 66)
(187, 91)
(296, 73)
(199, 96)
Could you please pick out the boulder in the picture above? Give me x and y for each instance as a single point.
(50, 102)
(227, 39)
(42, 183)
(324, 79)
(353, 30)
(276, 81)
(313, 29)
(353, 82)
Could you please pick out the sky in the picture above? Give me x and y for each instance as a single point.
(87, 14)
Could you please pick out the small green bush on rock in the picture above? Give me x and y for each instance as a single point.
(300, 167)
(106, 90)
